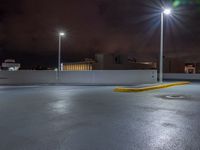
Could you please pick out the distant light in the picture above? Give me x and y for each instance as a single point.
(167, 11)
(61, 33)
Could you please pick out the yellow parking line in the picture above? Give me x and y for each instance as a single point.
(148, 88)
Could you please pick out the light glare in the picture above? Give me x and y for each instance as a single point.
(61, 33)
(167, 11)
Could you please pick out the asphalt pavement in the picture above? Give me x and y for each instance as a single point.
(96, 118)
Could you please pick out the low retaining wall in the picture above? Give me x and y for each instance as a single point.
(98, 77)
(181, 76)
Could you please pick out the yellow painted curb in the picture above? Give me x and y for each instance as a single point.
(148, 88)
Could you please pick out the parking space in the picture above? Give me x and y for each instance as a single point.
(96, 118)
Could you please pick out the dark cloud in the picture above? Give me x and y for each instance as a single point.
(31, 26)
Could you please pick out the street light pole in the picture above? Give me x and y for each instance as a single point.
(59, 52)
(61, 34)
(161, 49)
(166, 11)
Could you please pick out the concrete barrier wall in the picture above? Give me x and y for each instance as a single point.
(181, 76)
(98, 77)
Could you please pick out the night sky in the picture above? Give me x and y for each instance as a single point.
(28, 29)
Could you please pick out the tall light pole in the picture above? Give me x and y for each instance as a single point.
(166, 11)
(61, 34)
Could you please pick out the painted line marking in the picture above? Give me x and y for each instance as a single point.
(148, 88)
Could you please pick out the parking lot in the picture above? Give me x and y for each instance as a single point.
(96, 118)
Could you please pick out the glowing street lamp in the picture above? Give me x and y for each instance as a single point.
(61, 34)
(166, 11)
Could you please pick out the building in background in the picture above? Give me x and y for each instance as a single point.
(174, 65)
(87, 64)
(190, 68)
(108, 62)
(11, 65)
(121, 62)
(178, 65)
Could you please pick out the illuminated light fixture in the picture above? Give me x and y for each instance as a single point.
(61, 33)
(167, 11)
